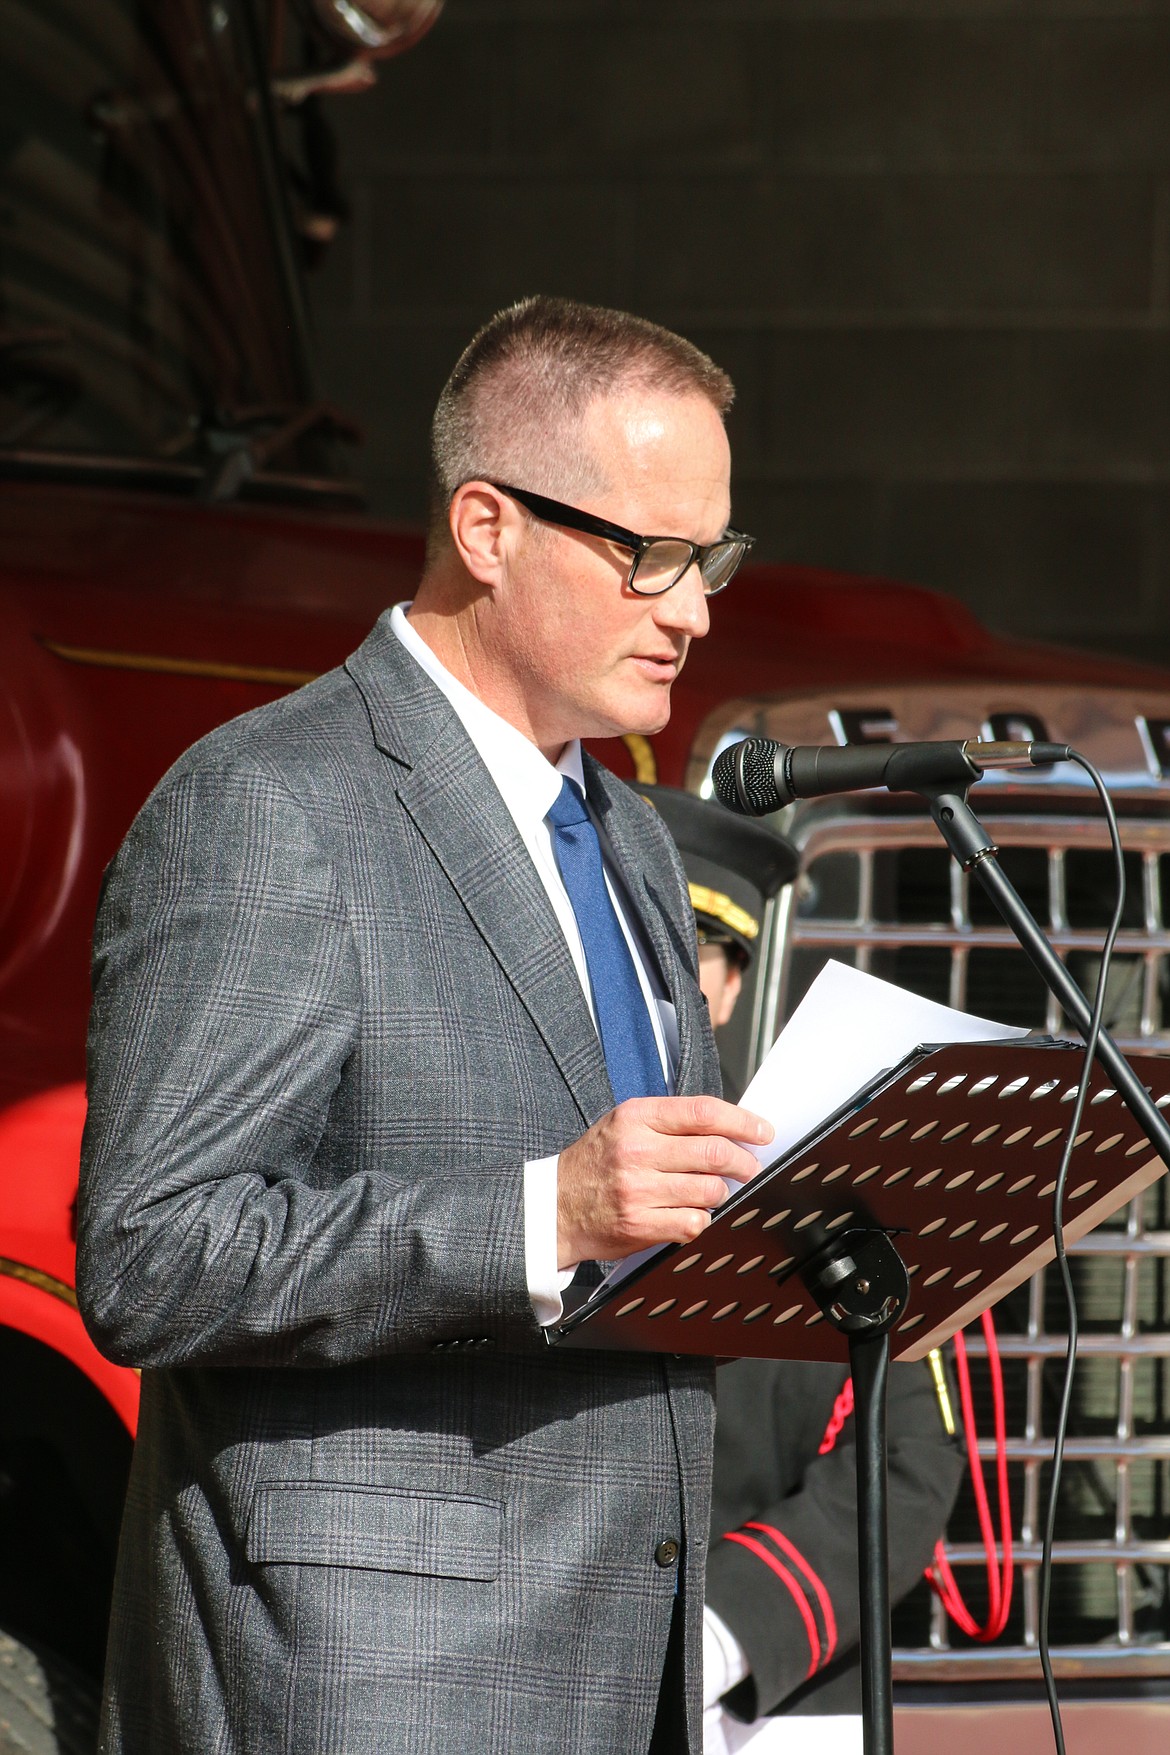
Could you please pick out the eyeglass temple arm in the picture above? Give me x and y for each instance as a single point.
(557, 513)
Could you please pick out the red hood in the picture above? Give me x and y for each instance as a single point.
(129, 626)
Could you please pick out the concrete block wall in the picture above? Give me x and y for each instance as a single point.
(929, 239)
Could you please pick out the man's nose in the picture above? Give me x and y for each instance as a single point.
(684, 606)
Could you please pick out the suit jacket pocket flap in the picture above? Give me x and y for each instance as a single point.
(326, 1523)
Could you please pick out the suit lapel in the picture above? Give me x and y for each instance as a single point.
(452, 801)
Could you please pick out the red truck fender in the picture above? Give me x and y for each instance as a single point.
(40, 1142)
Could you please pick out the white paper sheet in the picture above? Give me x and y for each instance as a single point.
(848, 1028)
(825, 1734)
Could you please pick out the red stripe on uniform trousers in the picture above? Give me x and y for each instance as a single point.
(798, 1596)
(823, 1597)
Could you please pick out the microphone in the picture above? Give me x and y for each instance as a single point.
(760, 775)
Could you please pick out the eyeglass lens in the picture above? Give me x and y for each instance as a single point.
(719, 563)
(662, 565)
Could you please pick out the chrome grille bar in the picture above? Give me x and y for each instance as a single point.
(857, 898)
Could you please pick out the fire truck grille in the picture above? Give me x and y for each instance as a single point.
(882, 894)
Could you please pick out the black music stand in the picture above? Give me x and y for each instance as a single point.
(937, 1181)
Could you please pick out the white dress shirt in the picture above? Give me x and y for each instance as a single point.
(529, 786)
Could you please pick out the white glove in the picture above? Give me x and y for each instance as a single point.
(724, 1663)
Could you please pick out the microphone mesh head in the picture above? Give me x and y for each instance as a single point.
(744, 777)
(758, 776)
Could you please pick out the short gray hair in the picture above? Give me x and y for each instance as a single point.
(511, 408)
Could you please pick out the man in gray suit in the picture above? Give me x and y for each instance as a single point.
(396, 1028)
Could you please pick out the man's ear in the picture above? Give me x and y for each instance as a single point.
(483, 524)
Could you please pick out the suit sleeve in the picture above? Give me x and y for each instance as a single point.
(225, 1014)
(785, 1582)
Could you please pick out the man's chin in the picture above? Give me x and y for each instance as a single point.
(647, 719)
(623, 716)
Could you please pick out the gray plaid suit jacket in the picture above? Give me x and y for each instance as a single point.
(370, 1509)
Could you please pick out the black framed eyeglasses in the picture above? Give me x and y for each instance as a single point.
(659, 561)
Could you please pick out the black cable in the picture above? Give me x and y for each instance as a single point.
(1070, 1357)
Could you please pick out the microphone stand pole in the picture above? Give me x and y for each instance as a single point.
(975, 851)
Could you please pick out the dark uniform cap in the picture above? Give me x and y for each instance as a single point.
(732, 863)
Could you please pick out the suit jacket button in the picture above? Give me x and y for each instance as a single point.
(666, 1553)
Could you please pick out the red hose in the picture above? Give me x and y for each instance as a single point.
(999, 1571)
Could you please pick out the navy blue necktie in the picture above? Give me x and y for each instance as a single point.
(627, 1035)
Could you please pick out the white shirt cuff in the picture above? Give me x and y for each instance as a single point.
(724, 1663)
(546, 1281)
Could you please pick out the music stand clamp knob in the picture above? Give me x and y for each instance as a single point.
(859, 1281)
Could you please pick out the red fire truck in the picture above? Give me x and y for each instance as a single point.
(178, 544)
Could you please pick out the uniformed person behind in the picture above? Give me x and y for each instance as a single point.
(781, 1624)
(734, 865)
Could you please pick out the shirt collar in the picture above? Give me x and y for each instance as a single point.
(527, 782)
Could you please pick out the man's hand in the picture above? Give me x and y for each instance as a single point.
(647, 1173)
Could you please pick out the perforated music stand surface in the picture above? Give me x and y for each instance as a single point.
(955, 1153)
